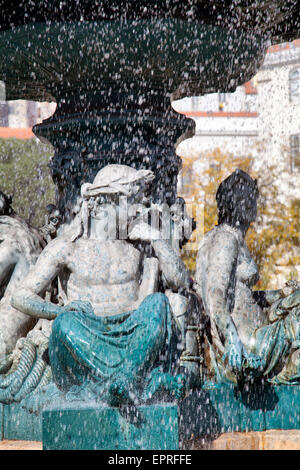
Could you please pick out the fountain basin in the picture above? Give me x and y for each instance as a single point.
(113, 81)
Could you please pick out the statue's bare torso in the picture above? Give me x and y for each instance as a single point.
(106, 273)
(111, 274)
(226, 269)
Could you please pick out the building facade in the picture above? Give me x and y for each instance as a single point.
(261, 118)
(20, 115)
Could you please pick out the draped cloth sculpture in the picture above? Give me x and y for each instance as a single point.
(111, 356)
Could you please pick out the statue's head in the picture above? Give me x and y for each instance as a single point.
(237, 199)
(110, 183)
(118, 180)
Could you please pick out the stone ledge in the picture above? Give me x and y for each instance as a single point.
(20, 445)
(265, 440)
(268, 440)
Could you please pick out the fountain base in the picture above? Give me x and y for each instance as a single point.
(152, 427)
(220, 416)
(212, 412)
(18, 423)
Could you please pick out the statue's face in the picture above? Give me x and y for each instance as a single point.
(106, 211)
(247, 209)
(103, 220)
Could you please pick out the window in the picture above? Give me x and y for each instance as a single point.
(295, 151)
(294, 78)
(3, 114)
(195, 102)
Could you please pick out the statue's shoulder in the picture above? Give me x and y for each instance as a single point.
(14, 227)
(18, 233)
(221, 239)
(60, 247)
(218, 235)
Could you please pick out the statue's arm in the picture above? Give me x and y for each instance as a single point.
(172, 267)
(27, 298)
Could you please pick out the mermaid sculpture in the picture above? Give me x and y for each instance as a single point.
(115, 337)
(253, 334)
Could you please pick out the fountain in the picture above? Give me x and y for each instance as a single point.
(113, 69)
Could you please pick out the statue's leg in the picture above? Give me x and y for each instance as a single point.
(66, 368)
(118, 351)
(110, 349)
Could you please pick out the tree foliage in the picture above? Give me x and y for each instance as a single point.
(25, 175)
(273, 239)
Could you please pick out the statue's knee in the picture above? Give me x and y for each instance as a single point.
(159, 302)
(155, 306)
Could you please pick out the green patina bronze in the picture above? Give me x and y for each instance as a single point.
(144, 428)
(205, 413)
(126, 357)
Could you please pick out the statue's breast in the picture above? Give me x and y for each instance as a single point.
(247, 270)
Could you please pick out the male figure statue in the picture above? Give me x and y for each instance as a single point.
(115, 334)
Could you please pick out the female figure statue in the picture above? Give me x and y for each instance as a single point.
(252, 333)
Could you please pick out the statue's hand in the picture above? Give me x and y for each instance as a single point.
(275, 314)
(241, 362)
(78, 306)
(283, 306)
(234, 354)
(40, 334)
(140, 230)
